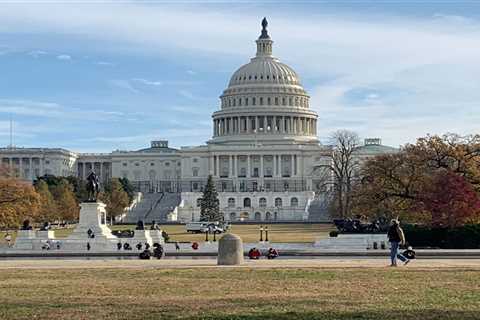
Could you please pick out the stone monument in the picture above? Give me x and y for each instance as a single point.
(230, 250)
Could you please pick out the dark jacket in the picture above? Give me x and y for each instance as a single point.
(393, 234)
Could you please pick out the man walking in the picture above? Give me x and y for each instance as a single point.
(396, 237)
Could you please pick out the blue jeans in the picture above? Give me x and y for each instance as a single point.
(394, 254)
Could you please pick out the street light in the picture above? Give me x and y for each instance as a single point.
(261, 233)
(206, 236)
(266, 234)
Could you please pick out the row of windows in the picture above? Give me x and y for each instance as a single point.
(262, 202)
(137, 164)
(284, 101)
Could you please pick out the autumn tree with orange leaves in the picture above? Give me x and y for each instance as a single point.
(435, 181)
(18, 199)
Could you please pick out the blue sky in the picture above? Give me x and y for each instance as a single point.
(96, 76)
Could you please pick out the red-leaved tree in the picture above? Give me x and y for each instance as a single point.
(450, 200)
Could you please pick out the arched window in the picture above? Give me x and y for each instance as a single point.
(253, 101)
(262, 202)
(261, 101)
(233, 216)
(278, 202)
(258, 216)
(246, 101)
(247, 203)
(294, 202)
(195, 172)
(276, 101)
(275, 216)
(199, 202)
(268, 216)
(231, 202)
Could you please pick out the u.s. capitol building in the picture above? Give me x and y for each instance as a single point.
(264, 154)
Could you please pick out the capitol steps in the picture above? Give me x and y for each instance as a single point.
(165, 205)
(143, 207)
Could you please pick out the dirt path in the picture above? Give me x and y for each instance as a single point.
(202, 263)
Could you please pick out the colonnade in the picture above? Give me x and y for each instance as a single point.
(254, 166)
(265, 125)
(102, 169)
(28, 167)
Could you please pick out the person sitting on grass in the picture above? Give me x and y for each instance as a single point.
(145, 255)
(254, 254)
(409, 253)
(272, 254)
(158, 251)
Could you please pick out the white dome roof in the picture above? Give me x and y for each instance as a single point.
(264, 70)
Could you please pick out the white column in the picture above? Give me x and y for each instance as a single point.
(248, 167)
(293, 165)
(230, 166)
(256, 124)
(249, 127)
(210, 169)
(261, 166)
(235, 166)
(274, 165)
(30, 168)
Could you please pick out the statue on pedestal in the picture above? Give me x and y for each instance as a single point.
(93, 187)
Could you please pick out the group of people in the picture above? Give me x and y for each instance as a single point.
(158, 252)
(255, 253)
(49, 244)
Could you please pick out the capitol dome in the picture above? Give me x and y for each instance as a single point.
(264, 98)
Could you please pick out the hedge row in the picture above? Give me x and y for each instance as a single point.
(465, 237)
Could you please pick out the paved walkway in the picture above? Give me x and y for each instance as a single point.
(432, 264)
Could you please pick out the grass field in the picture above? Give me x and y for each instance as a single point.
(239, 293)
(248, 233)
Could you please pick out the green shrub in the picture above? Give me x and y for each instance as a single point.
(334, 234)
(464, 237)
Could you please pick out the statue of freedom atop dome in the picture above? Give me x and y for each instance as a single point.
(264, 34)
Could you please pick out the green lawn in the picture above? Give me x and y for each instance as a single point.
(249, 233)
(239, 293)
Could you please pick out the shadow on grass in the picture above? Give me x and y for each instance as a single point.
(431, 314)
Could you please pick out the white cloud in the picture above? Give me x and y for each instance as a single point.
(186, 94)
(64, 57)
(123, 84)
(191, 72)
(105, 63)
(148, 82)
(37, 53)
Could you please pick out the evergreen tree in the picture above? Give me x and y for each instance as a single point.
(128, 188)
(209, 204)
(47, 211)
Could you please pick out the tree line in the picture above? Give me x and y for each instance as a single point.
(434, 181)
(54, 199)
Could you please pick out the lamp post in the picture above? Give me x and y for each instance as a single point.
(261, 233)
(214, 236)
(206, 236)
(266, 233)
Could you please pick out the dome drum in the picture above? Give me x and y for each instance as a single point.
(264, 100)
